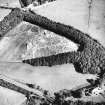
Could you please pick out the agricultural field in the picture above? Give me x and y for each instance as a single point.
(28, 41)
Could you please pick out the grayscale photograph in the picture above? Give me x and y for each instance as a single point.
(52, 52)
